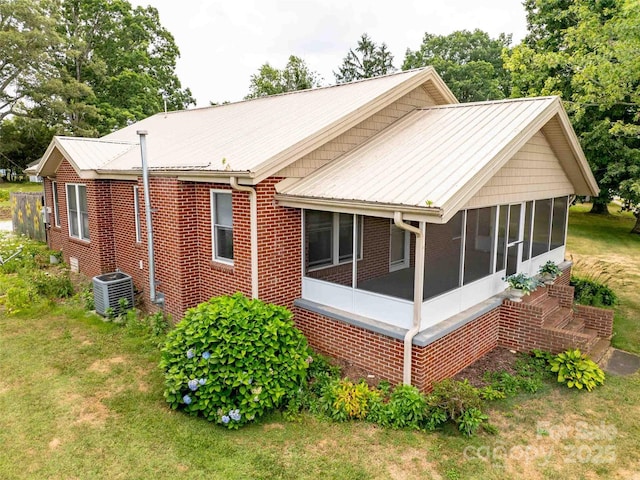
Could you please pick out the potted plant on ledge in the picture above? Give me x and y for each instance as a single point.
(520, 284)
(549, 272)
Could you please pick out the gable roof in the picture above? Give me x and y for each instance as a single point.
(253, 138)
(432, 161)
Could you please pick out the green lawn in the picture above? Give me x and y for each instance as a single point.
(81, 398)
(603, 244)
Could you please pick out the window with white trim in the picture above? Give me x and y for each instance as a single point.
(56, 208)
(222, 226)
(136, 213)
(330, 238)
(77, 211)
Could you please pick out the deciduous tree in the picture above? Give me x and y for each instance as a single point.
(269, 80)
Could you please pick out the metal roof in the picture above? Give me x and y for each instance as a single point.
(433, 159)
(258, 135)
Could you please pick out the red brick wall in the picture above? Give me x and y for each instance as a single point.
(383, 356)
(598, 319)
(97, 255)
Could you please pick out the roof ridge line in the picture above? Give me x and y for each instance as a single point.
(489, 102)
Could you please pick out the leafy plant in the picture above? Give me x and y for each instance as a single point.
(52, 284)
(592, 292)
(19, 297)
(522, 281)
(86, 296)
(470, 420)
(350, 401)
(575, 369)
(454, 397)
(551, 269)
(407, 407)
(232, 359)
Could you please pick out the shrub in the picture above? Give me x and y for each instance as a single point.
(592, 292)
(232, 359)
(470, 420)
(19, 297)
(454, 397)
(576, 370)
(349, 401)
(407, 407)
(4, 195)
(52, 284)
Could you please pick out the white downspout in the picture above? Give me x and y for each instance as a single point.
(253, 225)
(417, 292)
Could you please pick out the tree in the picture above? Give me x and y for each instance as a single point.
(470, 63)
(28, 43)
(117, 66)
(368, 60)
(22, 141)
(589, 56)
(272, 81)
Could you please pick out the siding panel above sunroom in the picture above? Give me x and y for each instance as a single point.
(534, 172)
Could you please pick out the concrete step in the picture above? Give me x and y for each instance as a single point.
(599, 349)
(559, 318)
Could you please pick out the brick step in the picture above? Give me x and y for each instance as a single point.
(575, 325)
(559, 318)
(593, 339)
(599, 349)
(549, 306)
(537, 297)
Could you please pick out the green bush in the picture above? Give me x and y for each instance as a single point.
(345, 400)
(575, 369)
(53, 283)
(232, 359)
(470, 420)
(454, 397)
(591, 292)
(19, 297)
(407, 408)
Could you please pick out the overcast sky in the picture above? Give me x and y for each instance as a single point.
(222, 43)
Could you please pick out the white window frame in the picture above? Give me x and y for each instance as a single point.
(136, 213)
(82, 235)
(214, 239)
(56, 208)
(335, 239)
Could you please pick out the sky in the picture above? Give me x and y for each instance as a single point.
(222, 43)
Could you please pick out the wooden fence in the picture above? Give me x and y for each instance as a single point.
(26, 214)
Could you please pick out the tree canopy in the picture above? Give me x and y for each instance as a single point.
(470, 63)
(366, 61)
(269, 80)
(589, 56)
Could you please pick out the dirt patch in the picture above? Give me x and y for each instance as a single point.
(88, 410)
(105, 365)
(356, 373)
(55, 443)
(273, 426)
(498, 359)
(412, 463)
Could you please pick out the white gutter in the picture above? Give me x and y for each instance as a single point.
(253, 212)
(417, 292)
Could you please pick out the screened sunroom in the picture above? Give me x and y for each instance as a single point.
(465, 259)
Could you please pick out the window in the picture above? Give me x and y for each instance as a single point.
(526, 246)
(222, 226)
(330, 238)
(136, 213)
(559, 222)
(479, 243)
(77, 211)
(443, 256)
(541, 227)
(56, 211)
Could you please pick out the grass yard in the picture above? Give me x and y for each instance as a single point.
(81, 398)
(599, 243)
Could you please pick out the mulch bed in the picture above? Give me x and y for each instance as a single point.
(498, 359)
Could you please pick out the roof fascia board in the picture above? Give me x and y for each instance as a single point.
(330, 132)
(574, 145)
(426, 214)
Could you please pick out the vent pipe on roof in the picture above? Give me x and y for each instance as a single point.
(156, 298)
(418, 286)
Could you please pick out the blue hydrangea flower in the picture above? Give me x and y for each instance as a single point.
(186, 399)
(202, 381)
(206, 355)
(235, 415)
(191, 353)
(225, 419)
(193, 385)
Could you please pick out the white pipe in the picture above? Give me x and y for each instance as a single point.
(253, 213)
(418, 284)
(158, 298)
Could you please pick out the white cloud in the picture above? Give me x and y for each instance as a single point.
(223, 43)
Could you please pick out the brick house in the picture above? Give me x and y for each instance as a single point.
(382, 212)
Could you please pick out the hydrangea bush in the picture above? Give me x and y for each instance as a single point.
(232, 359)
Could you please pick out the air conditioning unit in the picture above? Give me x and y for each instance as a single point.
(108, 289)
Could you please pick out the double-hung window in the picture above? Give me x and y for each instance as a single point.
(56, 208)
(222, 226)
(77, 211)
(136, 213)
(330, 238)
